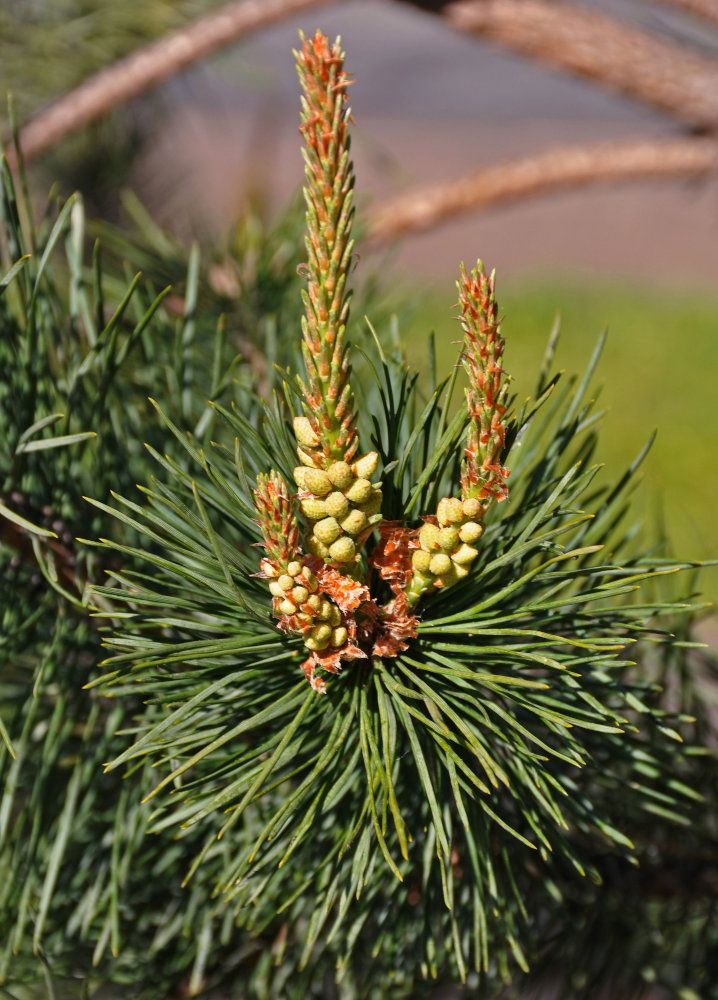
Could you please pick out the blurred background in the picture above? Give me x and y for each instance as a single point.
(625, 238)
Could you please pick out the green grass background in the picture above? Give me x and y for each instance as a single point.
(657, 371)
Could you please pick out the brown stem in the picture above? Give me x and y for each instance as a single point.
(674, 876)
(590, 44)
(556, 170)
(150, 66)
(15, 537)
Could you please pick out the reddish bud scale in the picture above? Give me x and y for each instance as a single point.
(328, 196)
(392, 556)
(396, 628)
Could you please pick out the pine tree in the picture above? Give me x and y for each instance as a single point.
(391, 689)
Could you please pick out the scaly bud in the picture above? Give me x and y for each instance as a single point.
(328, 530)
(343, 550)
(340, 474)
(450, 511)
(365, 467)
(276, 513)
(314, 509)
(313, 480)
(328, 398)
(337, 505)
(305, 433)
(359, 492)
(483, 477)
(355, 522)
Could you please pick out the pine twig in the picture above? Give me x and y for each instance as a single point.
(15, 536)
(146, 69)
(328, 396)
(336, 490)
(555, 170)
(483, 477)
(559, 34)
(707, 9)
(446, 541)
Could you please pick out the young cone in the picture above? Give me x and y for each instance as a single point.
(277, 520)
(483, 477)
(327, 434)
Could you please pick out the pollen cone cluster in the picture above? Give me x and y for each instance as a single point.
(298, 600)
(446, 546)
(342, 506)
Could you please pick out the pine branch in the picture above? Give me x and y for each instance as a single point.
(707, 9)
(336, 490)
(483, 477)
(146, 69)
(556, 170)
(594, 45)
(328, 398)
(446, 542)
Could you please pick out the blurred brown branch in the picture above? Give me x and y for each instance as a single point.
(558, 169)
(14, 537)
(707, 9)
(590, 44)
(151, 65)
(554, 32)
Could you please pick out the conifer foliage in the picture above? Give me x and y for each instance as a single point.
(484, 737)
